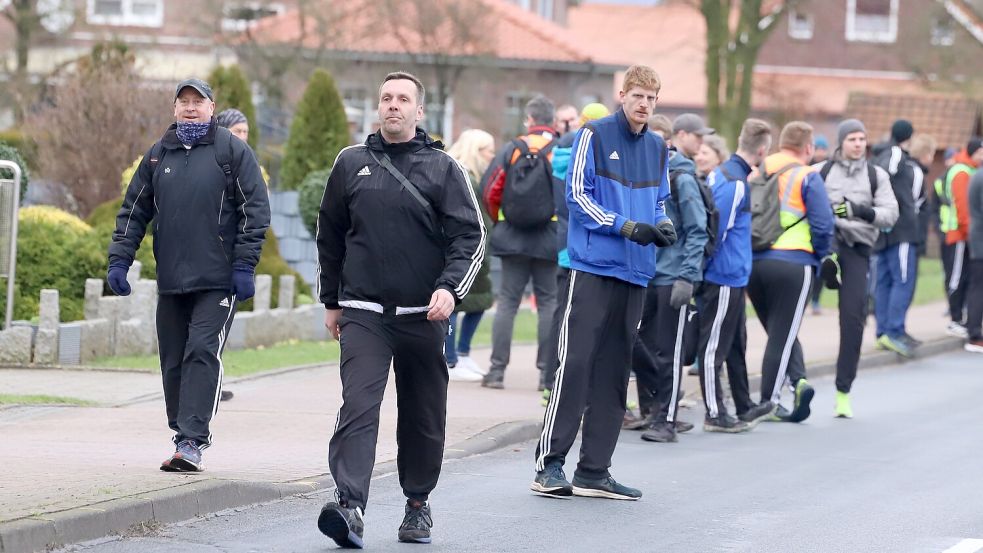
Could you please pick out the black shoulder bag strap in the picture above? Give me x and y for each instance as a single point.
(223, 156)
(387, 164)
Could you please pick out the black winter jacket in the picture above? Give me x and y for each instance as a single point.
(896, 161)
(199, 233)
(378, 247)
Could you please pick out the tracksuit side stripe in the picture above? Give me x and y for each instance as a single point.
(476, 259)
(710, 357)
(221, 366)
(793, 333)
(957, 266)
(550, 419)
(677, 361)
(577, 183)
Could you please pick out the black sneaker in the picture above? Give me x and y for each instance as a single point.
(416, 523)
(551, 482)
(494, 379)
(186, 458)
(226, 395)
(660, 431)
(804, 392)
(682, 426)
(342, 524)
(725, 423)
(780, 414)
(606, 488)
(910, 340)
(757, 413)
(633, 422)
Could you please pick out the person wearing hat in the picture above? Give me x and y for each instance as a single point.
(209, 226)
(657, 358)
(863, 202)
(822, 150)
(897, 247)
(954, 222)
(235, 121)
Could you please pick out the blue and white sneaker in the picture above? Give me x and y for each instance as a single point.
(342, 524)
(551, 482)
(186, 458)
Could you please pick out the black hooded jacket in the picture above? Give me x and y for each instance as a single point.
(895, 160)
(378, 247)
(199, 232)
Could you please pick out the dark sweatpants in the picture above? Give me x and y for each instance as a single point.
(657, 355)
(854, 277)
(596, 337)
(740, 390)
(779, 292)
(370, 342)
(975, 300)
(553, 362)
(720, 314)
(957, 281)
(191, 332)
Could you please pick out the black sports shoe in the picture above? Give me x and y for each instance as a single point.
(494, 380)
(757, 413)
(606, 488)
(416, 523)
(342, 524)
(910, 340)
(781, 414)
(226, 395)
(660, 431)
(682, 426)
(804, 392)
(551, 482)
(725, 423)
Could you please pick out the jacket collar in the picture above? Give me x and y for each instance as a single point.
(623, 123)
(421, 140)
(543, 130)
(172, 142)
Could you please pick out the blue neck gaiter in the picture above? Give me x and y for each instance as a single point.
(190, 132)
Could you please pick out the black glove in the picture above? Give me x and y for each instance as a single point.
(243, 286)
(117, 279)
(662, 235)
(682, 292)
(853, 210)
(666, 234)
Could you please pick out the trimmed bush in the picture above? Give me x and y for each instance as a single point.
(23, 144)
(319, 131)
(10, 153)
(231, 90)
(103, 223)
(309, 198)
(271, 263)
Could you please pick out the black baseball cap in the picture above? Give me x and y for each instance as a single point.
(197, 84)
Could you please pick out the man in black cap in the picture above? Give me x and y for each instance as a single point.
(209, 226)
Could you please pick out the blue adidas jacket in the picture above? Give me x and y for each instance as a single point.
(615, 176)
(561, 162)
(730, 264)
(684, 259)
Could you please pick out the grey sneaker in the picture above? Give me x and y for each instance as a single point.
(551, 482)
(606, 488)
(758, 413)
(186, 458)
(494, 380)
(660, 431)
(725, 423)
(416, 523)
(342, 524)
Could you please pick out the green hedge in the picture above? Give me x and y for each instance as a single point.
(309, 198)
(11, 153)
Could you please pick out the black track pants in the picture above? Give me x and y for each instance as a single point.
(740, 390)
(854, 277)
(721, 308)
(596, 337)
(562, 279)
(657, 356)
(779, 292)
(415, 348)
(958, 282)
(191, 332)
(975, 300)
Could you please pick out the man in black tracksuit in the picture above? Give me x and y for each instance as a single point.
(399, 241)
(205, 193)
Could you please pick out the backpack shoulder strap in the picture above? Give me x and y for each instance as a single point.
(156, 154)
(223, 156)
(827, 167)
(872, 177)
(673, 179)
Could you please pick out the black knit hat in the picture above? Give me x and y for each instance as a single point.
(973, 145)
(902, 130)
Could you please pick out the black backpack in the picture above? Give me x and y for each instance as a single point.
(223, 157)
(713, 215)
(527, 199)
(766, 208)
(871, 176)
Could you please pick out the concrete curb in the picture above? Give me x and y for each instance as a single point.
(197, 499)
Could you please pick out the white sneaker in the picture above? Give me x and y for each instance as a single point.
(957, 330)
(462, 374)
(974, 346)
(468, 363)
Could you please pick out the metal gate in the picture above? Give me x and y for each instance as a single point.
(9, 200)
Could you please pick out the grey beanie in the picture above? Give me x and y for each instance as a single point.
(230, 117)
(847, 127)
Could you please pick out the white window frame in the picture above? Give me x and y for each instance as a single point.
(127, 18)
(794, 31)
(230, 24)
(940, 39)
(854, 35)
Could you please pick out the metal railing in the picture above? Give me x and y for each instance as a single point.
(9, 201)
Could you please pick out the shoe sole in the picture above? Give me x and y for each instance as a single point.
(659, 440)
(843, 416)
(333, 524)
(684, 429)
(601, 494)
(493, 385)
(408, 539)
(802, 411)
(558, 493)
(177, 464)
(725, 430)
(973, 349)
(760, 419)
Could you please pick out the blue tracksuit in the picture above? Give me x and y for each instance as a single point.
(730, 264)
(616, 175)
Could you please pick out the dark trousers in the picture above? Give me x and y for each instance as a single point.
(975, 300)
(369, 343)
(657, 355)
(854, 275)
(596, 337)
(562, 277)
(191, 332)
(517, 271)
(736, 360)
(957, 281)
(779, 291)
(720, 315)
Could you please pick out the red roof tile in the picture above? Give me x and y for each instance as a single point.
(950, 120)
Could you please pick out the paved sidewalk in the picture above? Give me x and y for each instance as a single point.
(275, 430)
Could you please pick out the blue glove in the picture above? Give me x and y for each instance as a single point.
(242, 282)
(117, 279)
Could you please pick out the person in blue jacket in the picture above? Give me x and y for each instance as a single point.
(657, 356)
(721, 297)
(616, 186)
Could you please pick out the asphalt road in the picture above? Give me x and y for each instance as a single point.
(903, 476)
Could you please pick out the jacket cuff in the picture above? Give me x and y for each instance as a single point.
(447, 287)
(243, 267)
(627, 229)
(331, 305)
